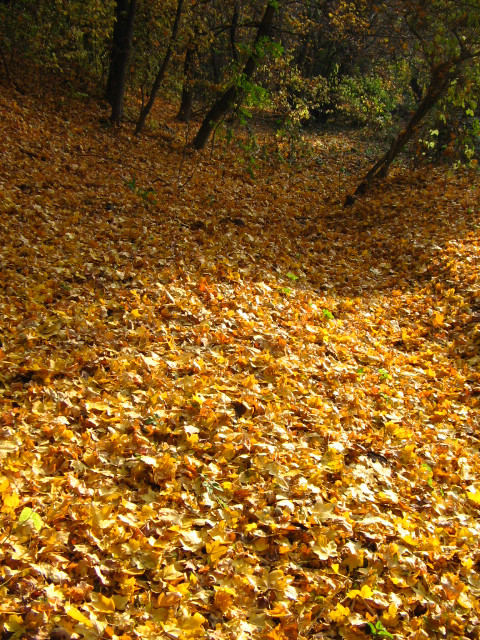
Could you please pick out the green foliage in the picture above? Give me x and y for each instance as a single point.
(249, 146)
(148, 195)
(29, 515)
(65, 36)
(369, 99)
(264, 47)
(293, 147)
(293, 96)
(378, 630)
(255, 95)
(452, 134)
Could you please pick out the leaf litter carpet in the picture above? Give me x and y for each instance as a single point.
(229, 408)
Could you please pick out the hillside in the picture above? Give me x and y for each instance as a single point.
(229, 407)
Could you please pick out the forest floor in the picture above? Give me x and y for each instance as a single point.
(229, 407)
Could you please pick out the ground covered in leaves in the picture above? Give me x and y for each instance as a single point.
(231, 409)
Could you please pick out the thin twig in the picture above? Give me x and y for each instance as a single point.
(184, 152)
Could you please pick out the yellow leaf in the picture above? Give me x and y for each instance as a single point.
(249, 382)
(224, 598)
(339, 614)
(14, 624)
(198, 399)
(10, 502)
(261, 544)
(397, 580)
(437, 319)
(279, 611)
(77, 615)
(170, 572)
(120, 602)
(193, 439)
(4, 484)
(390, 617)
(136, 313)
(128, 586)
(474, 496)
(193, 624)
(216, 550)
(169, 599)
(102, 603)
(464, 601)
(364, 592)
(182, 588)
(408, 453)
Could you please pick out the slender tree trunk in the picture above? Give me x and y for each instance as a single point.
(441, 78)
(185, 111)
(161, 72)
(235, 92)
(214, 61)
(233, 30)
(122, 44)
(416, 89)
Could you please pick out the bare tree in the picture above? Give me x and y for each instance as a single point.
(161, 71)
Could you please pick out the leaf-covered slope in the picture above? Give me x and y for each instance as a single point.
(229, 408)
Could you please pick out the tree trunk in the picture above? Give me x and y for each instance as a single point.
(122, 44)
(161, 72)
(214, 61)
(416, 89)
(235, 92)
(233, 30)
(440, 80)
(185, 111)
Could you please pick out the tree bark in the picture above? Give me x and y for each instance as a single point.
(440, 80)
(235, 92)
(122, 44)
(161, 72)
(416, 89)
(185, 110)
(233, 30)
(215, 64)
